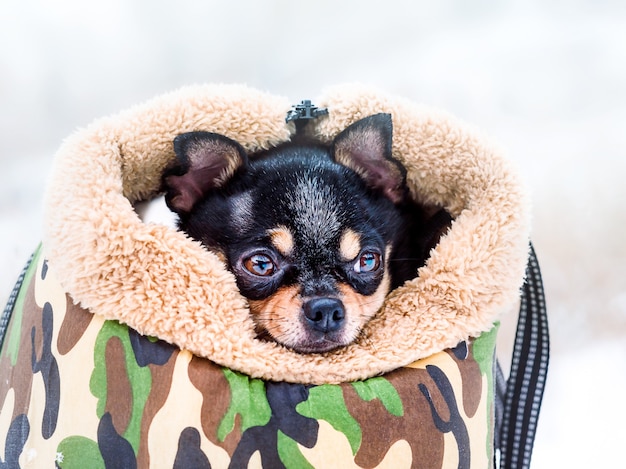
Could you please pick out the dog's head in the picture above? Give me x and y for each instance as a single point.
(308, 230)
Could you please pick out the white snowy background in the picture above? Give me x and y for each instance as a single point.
(545, 79)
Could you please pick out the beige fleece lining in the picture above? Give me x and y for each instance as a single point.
(163, 284)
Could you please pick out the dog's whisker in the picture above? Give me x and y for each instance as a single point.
(367, 341)
(368, 303)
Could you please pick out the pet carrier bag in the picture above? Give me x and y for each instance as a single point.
(126, 344)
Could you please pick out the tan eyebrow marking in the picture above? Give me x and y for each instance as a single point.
(282, 239)
(349, 244)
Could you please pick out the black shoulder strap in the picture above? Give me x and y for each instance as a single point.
(8, 309)
(518, 399)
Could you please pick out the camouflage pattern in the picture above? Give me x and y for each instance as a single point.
(80, 392)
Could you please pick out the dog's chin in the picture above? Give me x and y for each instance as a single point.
(319, 346)
(307, 345)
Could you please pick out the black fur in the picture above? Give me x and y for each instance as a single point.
(303, 189)
(267, 183)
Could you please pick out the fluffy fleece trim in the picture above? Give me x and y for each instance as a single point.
(163, 284)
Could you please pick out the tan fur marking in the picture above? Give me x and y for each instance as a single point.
(362, 142)
(230, 154)
(234, 161)
(360, 308)
(282, 239)
(279, 314)
(349, 244)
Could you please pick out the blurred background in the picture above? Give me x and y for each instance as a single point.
(545, 79)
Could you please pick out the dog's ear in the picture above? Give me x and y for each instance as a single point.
(205, 161)
(365, 147)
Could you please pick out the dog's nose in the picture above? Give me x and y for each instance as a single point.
(324, 314)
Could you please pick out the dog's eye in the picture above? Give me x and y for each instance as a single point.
(259, 264)
(367, 262)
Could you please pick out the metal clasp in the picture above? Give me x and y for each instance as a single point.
(305, 111)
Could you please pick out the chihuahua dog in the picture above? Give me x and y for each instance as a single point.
(316, 235)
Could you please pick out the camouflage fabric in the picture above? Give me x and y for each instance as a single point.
(80, 392)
